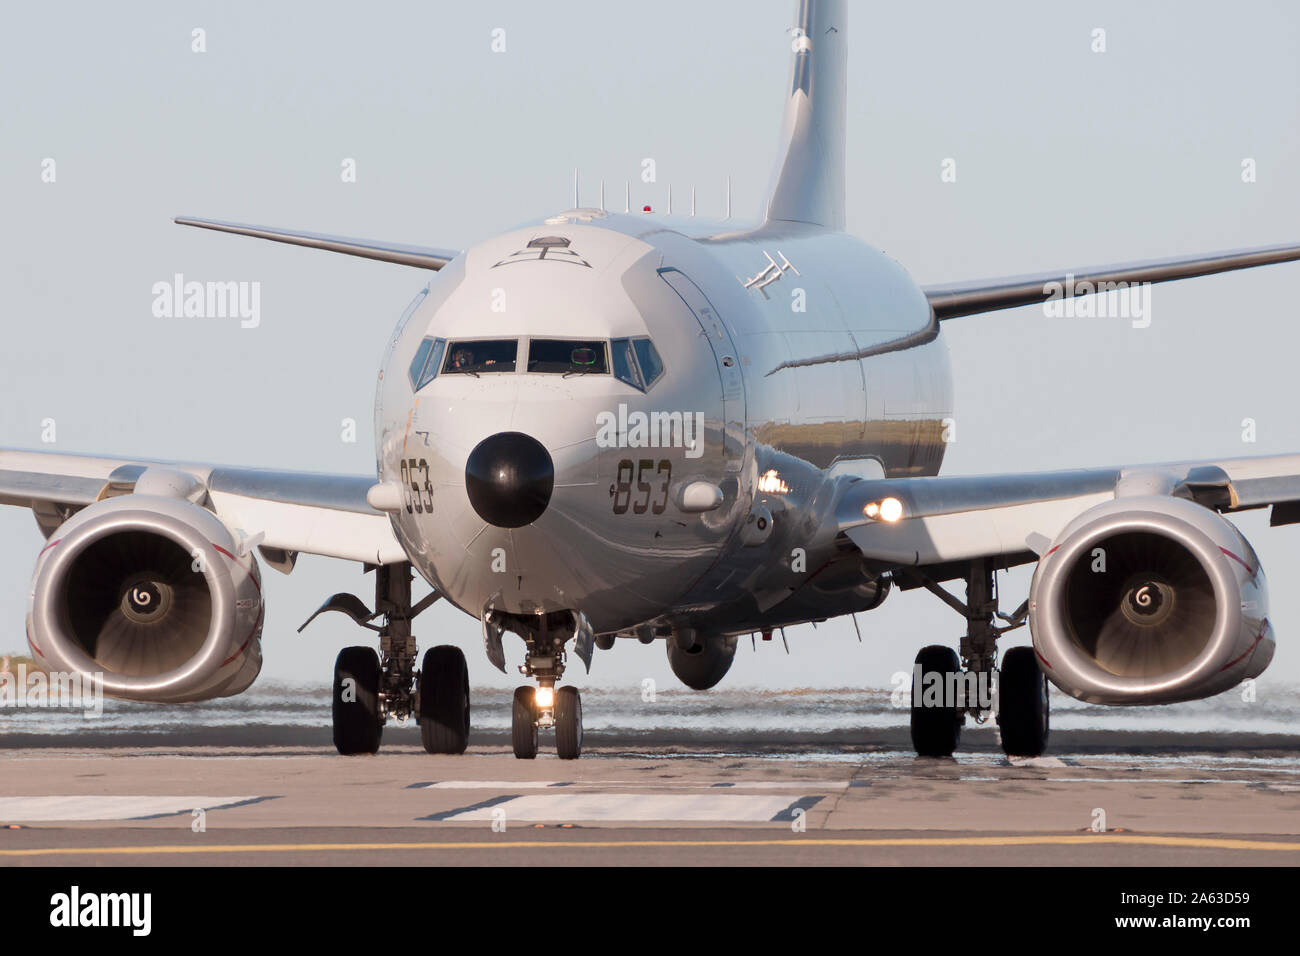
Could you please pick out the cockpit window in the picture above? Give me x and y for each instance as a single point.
(637, 362)
(424, 367)
(484, 355)
(648, 357)
(568, 356)
(625, 369)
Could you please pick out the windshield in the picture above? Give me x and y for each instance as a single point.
(636, 362)
(568, 355)
(485, 355)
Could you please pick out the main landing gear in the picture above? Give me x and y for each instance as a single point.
(545, 707)
(370, 688)
(946, 688)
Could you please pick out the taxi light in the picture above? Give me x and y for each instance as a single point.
(770, 483)
(545, 697)
(887, 509)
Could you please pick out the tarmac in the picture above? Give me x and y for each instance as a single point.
(1191, 801)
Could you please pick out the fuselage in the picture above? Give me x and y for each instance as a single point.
(650, 367)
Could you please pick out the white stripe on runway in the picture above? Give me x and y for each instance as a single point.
(803, 786)
(586, 807)
(100, 807)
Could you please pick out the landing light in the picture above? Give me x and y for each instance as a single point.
(545, 697)
(887, 509)
(770, 483)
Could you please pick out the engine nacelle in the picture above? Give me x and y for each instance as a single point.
(701, 664)
(148, 591)
(1150, 600)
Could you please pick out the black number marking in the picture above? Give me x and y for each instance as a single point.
(623, 494)
(643, 471)
(418, 497)
(642, 466)
(665, 469)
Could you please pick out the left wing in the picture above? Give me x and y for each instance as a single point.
(1142, 593)
(1015, 517)
(281, 512)
(956, 299)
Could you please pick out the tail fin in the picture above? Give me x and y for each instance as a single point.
(809, 182)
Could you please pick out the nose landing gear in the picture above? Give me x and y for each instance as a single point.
(545, 707)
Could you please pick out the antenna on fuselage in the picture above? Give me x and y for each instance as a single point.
(692, 202)
(575, 187)
(670, 200)
(602, 194)
(627, 196)
(728, 213)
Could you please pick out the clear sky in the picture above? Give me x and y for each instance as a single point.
(1064, 157)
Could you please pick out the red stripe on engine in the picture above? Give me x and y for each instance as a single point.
(1239, 561)
(252, 577)
(33, 646)
(1250, 650)
(256, 625)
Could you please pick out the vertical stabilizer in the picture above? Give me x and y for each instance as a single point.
(809, 182)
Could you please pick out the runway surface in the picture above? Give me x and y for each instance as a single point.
(1199, 802)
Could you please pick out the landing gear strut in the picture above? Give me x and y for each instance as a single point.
(545, 707)
(371, 688)
(947, 688)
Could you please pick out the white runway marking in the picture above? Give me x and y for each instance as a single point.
(629, 807)
(803, 786)
(99, 807)
(488, 785)
(1037, 762)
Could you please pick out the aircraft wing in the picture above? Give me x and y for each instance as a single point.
(956, 299)
(422, 257)
(1016, 517)
(282, 512)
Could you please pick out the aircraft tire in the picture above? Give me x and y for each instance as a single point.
(444, 701)
(568, 723)
(1023, 704)
(936, 729)
(355, 704)
(523, 723)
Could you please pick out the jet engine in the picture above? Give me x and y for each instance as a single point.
(150, 592)
(700, 662)
(1150, 600)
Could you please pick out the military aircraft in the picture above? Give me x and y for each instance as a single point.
(608, 425)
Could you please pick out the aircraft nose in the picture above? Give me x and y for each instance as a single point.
(509, 477)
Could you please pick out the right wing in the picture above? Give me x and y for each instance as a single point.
(972, 297)
(284, 512)
(422, 257)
